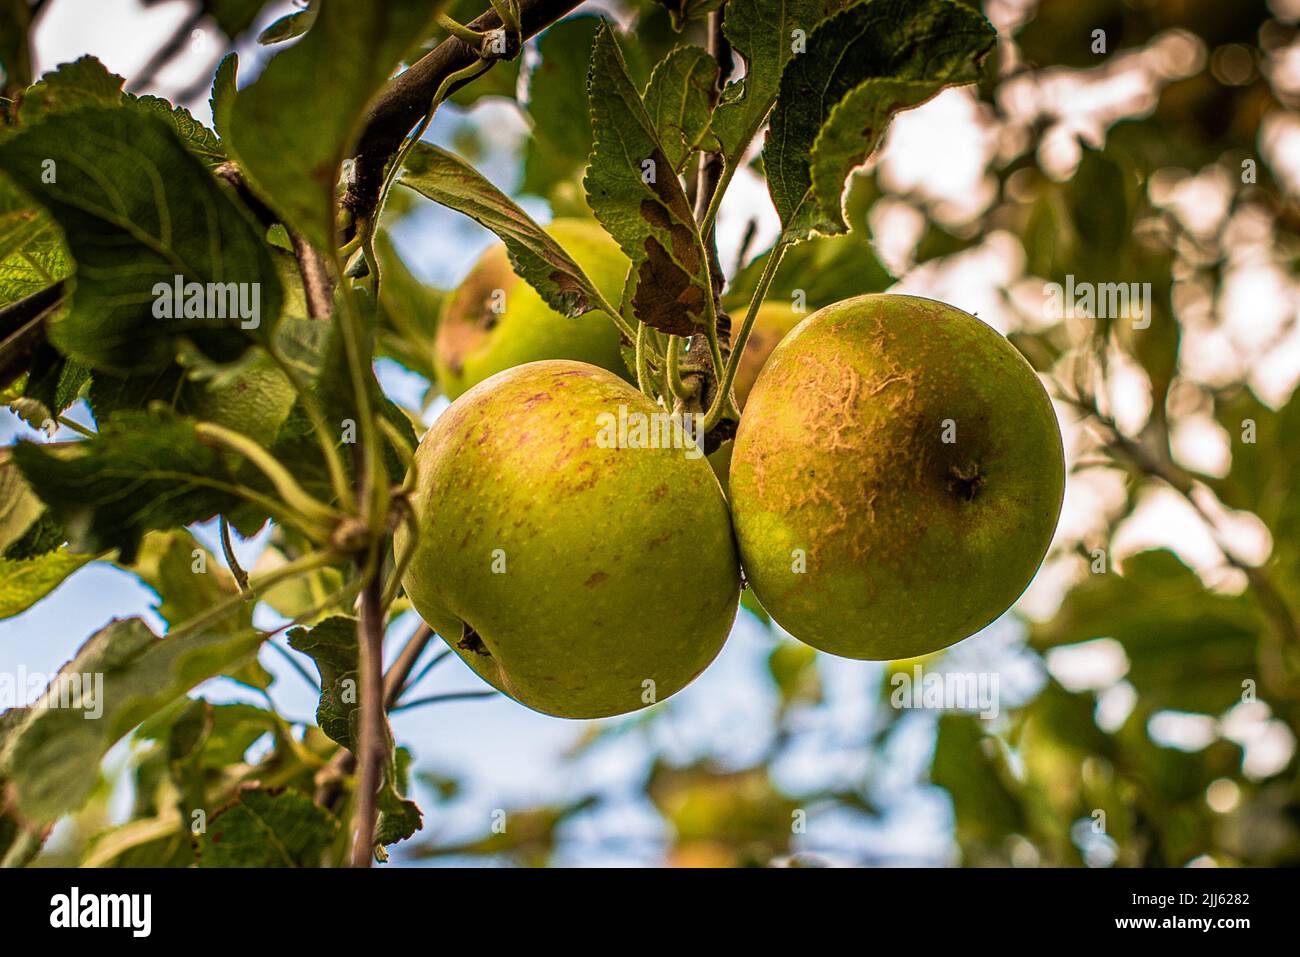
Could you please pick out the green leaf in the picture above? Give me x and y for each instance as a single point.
(560, 139)
(1189, 649)
(793, 667)
(32, 254)
(71, 86)
(678, 102)
(826, 270)
(683, 11)
(219, 735)
(332, 645)
(19, 506)
(299, 598)
(268, 828)
(235, 727)
(32, 563)
(37, 266)
(291, 25)
(501, 80)
(1264, 475)
(32, 258)
(851, 133)
(751, 604)
(399, 817)
(329, 76)
(43, 535)
(138, 210)
(536, 257)
(51, 756)
(16, 63)
(861, 66)
(24, 582)
(822, 271)
(87, 83)
(1099, 204)
(21, 223)
(53, 384)
(637, 197)
(987, 811)
(320, 349)
(233, 16)
(222, 99)
(143, 471)
(189, 582)
(1265, 458)
(198, 139)
(109, 394)
(763, 32)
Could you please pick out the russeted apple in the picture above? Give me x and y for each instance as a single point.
(897, 477)
(580, 575)
(494, 320)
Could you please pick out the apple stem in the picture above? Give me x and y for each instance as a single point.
(404, 100)
(721, 400)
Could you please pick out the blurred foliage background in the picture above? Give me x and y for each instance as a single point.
(1149, 681)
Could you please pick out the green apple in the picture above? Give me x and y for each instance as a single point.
(581, 578)
(494, 320)
(896, 479)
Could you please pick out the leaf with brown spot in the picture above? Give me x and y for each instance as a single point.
(668, 284)
(664, 296)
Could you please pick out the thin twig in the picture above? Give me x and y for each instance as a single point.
(401, 668)
(372, 735)
(228, 549)
(296, 665)
(429, 665)
(701, 360)
(444, 698)
(1271, 600)
(74, 426)
(711, 163)
(746, 242)
(317, 286)
(230, 174)
(202, 82)
(169, 50)
(23, 330)
(402, 103)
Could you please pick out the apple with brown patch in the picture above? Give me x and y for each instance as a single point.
(897, 477)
